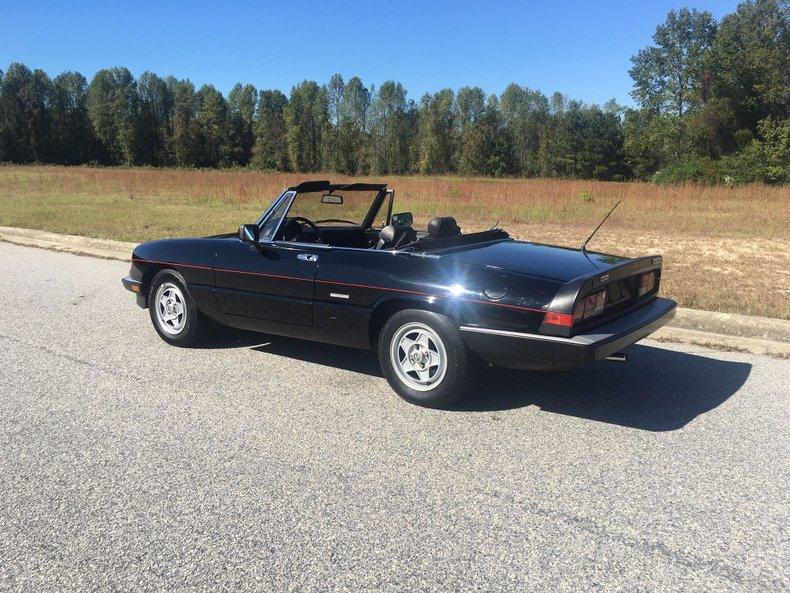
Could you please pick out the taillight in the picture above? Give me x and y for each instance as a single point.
(562, 319)
(647, 283)
(590, 306)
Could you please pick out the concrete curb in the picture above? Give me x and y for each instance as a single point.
(728, 343)
(724, 331)
(104, 248)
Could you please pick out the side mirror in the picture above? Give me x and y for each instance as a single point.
(249, 233)
(404, 218)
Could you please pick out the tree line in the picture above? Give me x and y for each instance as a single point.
(712, 105)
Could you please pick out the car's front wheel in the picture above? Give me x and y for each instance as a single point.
(424, 358)
(173, 312)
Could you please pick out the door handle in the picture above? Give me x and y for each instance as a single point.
(307, 257)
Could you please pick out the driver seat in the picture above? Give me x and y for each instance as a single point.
(394, 236)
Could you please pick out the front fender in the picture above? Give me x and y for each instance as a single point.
(192, 258)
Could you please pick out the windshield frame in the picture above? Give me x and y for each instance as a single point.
(288, 197)
(272, 205)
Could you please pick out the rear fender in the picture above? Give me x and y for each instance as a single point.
(388, 305)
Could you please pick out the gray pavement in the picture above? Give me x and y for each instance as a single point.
(262, 463)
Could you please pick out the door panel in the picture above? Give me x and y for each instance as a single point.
(270, 282)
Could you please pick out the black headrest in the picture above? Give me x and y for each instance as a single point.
(388, 233)
(396, 235)
(443, 226)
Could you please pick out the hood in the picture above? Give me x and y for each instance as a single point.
(547, 261)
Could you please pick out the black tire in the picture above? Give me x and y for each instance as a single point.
(184, 333)
(442, 385)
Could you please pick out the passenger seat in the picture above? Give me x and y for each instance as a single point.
(394, 236)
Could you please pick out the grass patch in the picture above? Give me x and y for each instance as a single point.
(725, 248)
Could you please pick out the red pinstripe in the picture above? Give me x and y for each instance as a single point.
(336, 283)
(429, 294)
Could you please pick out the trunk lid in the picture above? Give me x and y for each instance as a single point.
(547, 261)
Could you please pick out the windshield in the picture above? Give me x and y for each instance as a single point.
(271, 224)
(335, 209)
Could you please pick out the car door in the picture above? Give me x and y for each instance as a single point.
(270, 281)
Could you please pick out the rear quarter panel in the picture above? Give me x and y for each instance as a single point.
(353, 287)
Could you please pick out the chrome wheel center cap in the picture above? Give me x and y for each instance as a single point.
(417, 357)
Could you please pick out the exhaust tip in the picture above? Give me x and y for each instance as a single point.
(618, 357)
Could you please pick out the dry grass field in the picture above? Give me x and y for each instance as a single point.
(725, 249)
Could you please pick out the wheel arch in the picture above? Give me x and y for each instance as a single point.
(387, 306)
(148, 275)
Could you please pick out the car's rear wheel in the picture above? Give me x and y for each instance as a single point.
(173, 312)
(424, 358)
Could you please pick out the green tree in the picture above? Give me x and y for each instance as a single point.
(39, 100)
(392, 128)
(241, 123)
(182, 141)
(355, 103)
(646, 145)
(588, 144)
(112, 108)
(334, 95)
(667, 75)
(211, 128)
(470, 108)
(2, 122)
(525, 113)
(351, 155)
(711, 129)
(750, 62)
(271, 149)
(25, 123)
(154, 119)
(435, 132)
(71, 133)
(306, 121)
(557, 103)
(766, 158)
(485, 146)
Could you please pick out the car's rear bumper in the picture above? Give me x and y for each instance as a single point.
(134, 286)
(526, 350)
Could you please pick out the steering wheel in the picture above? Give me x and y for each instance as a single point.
(338, 220)
(309, 223)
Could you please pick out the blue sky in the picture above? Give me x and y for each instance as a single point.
(579, 47)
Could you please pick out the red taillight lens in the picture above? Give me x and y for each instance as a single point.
(647, 283)
(562, 319)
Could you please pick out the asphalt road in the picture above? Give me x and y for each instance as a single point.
(268, 464)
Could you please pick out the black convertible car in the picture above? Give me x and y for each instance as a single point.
(332, 263)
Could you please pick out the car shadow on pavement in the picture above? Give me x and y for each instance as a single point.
(656, 390)
(349, 359)
(225, 337)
